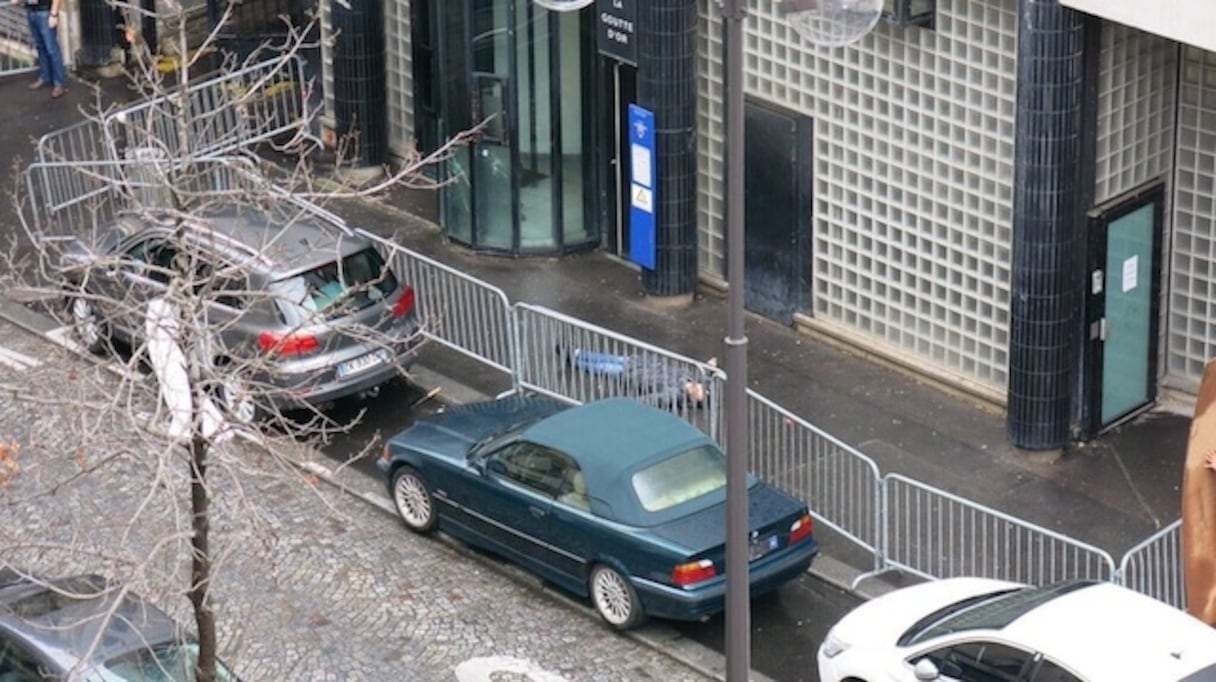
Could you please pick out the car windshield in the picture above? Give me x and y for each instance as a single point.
(990, 611)
(678, 479)
(165, 663)
(335, 289)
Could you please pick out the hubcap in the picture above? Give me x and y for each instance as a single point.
(85, 322)
(412, 502)
(612, 596)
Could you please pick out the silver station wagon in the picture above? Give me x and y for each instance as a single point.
(308, 310)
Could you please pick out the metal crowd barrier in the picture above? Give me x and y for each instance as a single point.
(904, 524)
(69, 197)
(842, 486)
(461, 312)
(567, 358)
(935, 534)
(1154, 567)
(17, 51)
(224, 114)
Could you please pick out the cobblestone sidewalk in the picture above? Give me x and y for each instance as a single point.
(313, 584)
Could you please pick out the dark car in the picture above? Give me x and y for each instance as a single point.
(309, 306)
(613, 499)
(83, 628)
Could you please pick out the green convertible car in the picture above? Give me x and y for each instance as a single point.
(613, 499)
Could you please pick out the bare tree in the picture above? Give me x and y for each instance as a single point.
(232, 306)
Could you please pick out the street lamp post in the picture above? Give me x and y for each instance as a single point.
(821, 22)
(738, 612)
(829, 23)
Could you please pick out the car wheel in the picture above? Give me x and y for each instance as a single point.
(615, 599)
(237, 402)
(87, 328)
(414, 502)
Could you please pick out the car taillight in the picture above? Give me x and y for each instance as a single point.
(405, 304)
(287, 344)
(801, 529)
(693, 572)
(386, 455)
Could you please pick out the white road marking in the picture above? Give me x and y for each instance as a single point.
(487, 668)
(18, 361)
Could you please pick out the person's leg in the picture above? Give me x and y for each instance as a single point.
(59, 75)
(36, 21)
(594, 362)
(48, 50)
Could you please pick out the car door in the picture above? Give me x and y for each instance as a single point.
(512, 501)
(979, 661)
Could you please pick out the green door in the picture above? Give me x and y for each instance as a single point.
(1127, 287)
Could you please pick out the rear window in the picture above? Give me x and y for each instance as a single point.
(680, 478)
(336, 289)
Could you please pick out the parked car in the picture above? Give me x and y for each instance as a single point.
(310, 307)
(81, 628)
(612, 499)
(978, 629)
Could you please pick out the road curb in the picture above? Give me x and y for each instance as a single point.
(694, 656)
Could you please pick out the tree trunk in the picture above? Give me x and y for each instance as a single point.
(200, 566)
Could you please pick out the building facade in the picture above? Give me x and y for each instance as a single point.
(1014, 196)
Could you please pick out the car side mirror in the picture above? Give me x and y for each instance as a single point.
(925, 670)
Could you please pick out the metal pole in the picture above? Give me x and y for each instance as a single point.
(738, 616)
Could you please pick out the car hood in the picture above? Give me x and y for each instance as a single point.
(880, 622)
(704, 530)
(452, 432)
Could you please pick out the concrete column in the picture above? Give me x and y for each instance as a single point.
(1048, 224)
(360, 104)
(667, 85)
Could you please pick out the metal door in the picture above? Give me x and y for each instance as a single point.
(777, 217)
(494, 190)
(623, 79)
(1123, 304)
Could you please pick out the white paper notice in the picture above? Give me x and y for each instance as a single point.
(1131, 270)
(641, 165)
(642, 198)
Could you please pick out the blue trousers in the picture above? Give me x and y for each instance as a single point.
(50, 59)
(594, 362)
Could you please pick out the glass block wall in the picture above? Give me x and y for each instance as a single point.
(1136, 90)
(1192, 283)
(400, 76)
(913, 164)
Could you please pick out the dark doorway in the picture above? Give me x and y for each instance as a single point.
(1122, 308)
(777, 184)
(622, 82)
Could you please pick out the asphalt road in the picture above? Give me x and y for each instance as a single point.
(787, 626)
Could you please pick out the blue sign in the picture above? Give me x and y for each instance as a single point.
(643, 178)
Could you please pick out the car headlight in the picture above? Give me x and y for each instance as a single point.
(833, 646)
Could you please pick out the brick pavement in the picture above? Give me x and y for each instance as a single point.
(313, 585)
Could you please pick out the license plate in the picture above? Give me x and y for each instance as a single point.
(759, 548)
(363, 363)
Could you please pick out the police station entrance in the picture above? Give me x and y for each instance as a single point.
(526, 185)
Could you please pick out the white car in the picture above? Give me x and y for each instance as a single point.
(982, 630)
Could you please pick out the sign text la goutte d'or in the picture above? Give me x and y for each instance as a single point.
(616, 22)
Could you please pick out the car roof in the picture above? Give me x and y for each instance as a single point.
(1080, 628)
(284, 239)
(616, 433)
(65, 628)
(611, 439)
